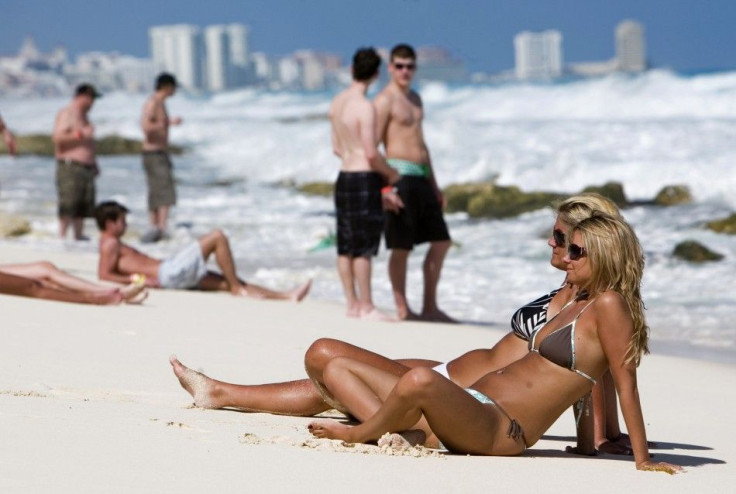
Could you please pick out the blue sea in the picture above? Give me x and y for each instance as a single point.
(247, 148)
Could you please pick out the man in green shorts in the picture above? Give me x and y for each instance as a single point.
(399, 115)
(157, 165)
(76, 162)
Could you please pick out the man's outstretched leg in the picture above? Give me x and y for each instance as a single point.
(347, 277)
(366, 310)
(216, 242)
(432, 269)
(397, 265)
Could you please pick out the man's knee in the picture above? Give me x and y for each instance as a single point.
(217, 234)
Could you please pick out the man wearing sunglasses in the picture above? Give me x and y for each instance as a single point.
(399, 114)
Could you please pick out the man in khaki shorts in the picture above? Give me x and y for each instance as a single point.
(157, 165)
(76, 162)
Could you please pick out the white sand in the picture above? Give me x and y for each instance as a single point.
(88, 403)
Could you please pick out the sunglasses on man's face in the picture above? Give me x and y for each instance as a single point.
(407, 66)
(558, 237)
(575, 252)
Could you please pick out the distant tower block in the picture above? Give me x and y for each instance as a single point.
(630, 47)
(538, 55)
(178, 49)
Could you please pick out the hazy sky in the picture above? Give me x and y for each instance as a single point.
(683, 34)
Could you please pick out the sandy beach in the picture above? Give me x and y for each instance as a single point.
(88, 403)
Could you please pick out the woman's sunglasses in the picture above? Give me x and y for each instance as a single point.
(575, 252)
(558, 237)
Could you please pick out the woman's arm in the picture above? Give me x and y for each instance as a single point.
(615, 330)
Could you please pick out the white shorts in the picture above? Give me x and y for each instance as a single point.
(184, 269)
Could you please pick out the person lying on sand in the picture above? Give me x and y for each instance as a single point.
(186, 269)
(45, 281)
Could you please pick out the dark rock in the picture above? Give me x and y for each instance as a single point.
(458, 195)
(672, 195)
(317, 188)
(612, 190)
(507, 202)
(692, 251)
(724, 225)
(41, 145)
(13, 226)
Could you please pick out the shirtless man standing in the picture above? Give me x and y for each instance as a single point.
(186, 269)
(76, 163)
(155, 123)
(399, 114)
(358, 194)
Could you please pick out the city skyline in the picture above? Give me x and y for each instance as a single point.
(686, 35)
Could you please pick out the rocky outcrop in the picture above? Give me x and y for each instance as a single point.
(693, 251)
(41, 145)
(724, 225)
(317, 188)
(13, 226)
(612, 190)
(672, 195)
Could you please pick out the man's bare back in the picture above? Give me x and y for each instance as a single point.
(353, 137)
(74, 135)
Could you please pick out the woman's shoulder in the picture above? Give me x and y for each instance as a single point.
(611, 302)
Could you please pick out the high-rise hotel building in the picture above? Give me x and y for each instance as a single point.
(214, 60)
(630, 47)
(538, 55)
(178, 49)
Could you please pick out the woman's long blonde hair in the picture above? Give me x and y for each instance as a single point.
(617, 263)
(576, 208)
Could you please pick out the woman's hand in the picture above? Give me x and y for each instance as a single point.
(659, 467)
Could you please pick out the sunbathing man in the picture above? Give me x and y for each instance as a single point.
(186, 269)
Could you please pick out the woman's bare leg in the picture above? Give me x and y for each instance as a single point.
(460, 421)
(11, 284)
(52, 277)
(287, 398)
(322, 351)
(46, 271)
(301, 397)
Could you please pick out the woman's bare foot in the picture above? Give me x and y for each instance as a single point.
(298, 294)
(108, 297)
(195, 383)
(134, 293)
(330, 429)
(376, 315)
